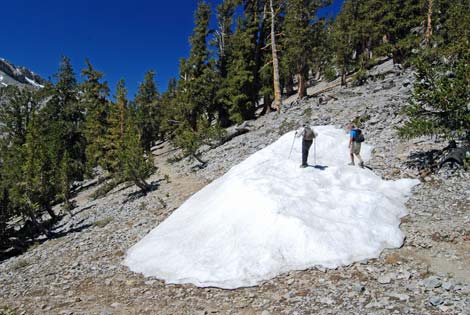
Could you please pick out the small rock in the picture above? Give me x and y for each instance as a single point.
(448, 286)
(327, 300)
(150, 282)
(359, 288)
(436, 301)
(432, 283)
(385, 279)
(133, 290)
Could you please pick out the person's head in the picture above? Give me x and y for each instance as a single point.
(305, 124)
(351, 126)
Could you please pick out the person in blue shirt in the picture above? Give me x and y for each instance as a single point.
(354, 146)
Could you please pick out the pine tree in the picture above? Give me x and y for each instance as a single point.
(94, 102)
(300, 16)
(453, 34)
(242, 85)
(193, 113)
(134, 164)
(38, 184)
(343, 40)
(439, 104)
(223, 37)
(147, 101)
(16, 113)
(66, 175)
(65, 119)
(117, 127)
(169, 108)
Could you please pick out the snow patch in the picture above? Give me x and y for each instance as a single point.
(267, 216)
(34, 83)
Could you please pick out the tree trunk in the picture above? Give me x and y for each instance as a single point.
(122, 122)
(266, 105)
(429, 27)
(196, 156)
(51, 212)
(277, 89)
(142, 184)
(301, 84)
(343, 76)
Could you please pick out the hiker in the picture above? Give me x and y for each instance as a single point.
(308, 135)
(355, 144)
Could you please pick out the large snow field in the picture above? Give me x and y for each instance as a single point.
(267, 216)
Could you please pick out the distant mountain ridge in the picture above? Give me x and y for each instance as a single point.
(17, 75)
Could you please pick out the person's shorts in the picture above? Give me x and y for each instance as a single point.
(356, 148)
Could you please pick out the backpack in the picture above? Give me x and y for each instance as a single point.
(359, 135)
(308, 133)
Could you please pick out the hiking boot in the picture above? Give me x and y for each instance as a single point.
(303, 165)
(352, 163)
(361, 164)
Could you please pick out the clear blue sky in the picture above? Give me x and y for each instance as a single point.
(123, 39)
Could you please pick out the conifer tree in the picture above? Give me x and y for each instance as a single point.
(16, 113)
(134, 164)
(38, 185)
(440, 101)
(169, 109)
(66, 120)
(66, 176)
(96, 105)
(300, 16)
(147, 101)
(196, 88)
(223, 38)
(242, 85)
(117, 127)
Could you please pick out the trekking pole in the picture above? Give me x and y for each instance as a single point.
(292, 146)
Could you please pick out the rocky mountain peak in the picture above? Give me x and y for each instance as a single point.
(11, 74)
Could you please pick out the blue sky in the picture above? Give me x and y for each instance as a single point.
(123, 39)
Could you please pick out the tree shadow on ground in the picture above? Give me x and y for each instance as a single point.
(432, 160)
(30, 235)
(140, 193)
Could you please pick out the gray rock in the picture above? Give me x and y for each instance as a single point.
(432, 282)
(448, 286)
(385, 279)
(436, 300)
(359, 288)
(388, 85)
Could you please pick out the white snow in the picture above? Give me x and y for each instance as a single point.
(34, 83)
(267, 216)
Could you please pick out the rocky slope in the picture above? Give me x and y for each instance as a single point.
(80, 271)
(19, 76)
